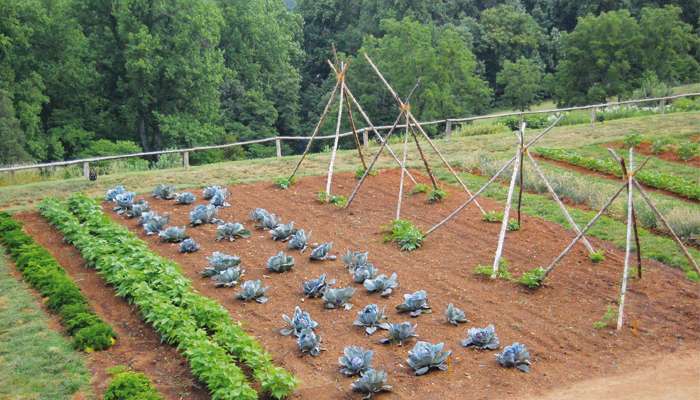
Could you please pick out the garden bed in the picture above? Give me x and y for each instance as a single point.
(555, 322)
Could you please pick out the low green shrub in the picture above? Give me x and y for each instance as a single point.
(686, 104)
(686, 151)
(481, 129)
(597, 256)
(436, 196)
(284, 183)
(607, 319)
(533, 278)
(536, 121)
(659, 145)
(492, 216)
(337, 200)
(632, 140)
(95, 337)
(128, 385)
(420, 188)
(405, 234)
(360, 172)
(485, 271)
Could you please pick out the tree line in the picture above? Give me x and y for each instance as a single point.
(94, 77)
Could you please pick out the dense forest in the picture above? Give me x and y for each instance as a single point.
(93, 77)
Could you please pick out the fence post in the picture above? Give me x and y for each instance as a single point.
(593, 116)
(186, 159)
(86, 170)
(365, 138)
(448, 129)
(662, 105)
(278, 145)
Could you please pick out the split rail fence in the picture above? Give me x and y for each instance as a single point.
(448, 122)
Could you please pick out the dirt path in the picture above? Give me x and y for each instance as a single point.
(138, 345)
(669, 377)
(555, 322)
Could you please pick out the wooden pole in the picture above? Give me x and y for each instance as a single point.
(374, 161)
(365, 138)
(557, 200)
(331, 164)
(520, 164)
(444, 161)
(628, 243)
(349, 94)
(466, 203)
(506, 212)
(422, 156)
(585, 229)
(86, 170)
(316, 129)
(278, 148)
(403, 168)
(186, 159)
(593, 116)
(448, 129)
(667, 225)
(352, 126)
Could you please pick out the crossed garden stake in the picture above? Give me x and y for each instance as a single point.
(345, 96)
(523, 149)
(630, 184)
(411, 124)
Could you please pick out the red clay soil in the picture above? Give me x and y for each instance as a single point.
(668, 154)
(138, 345)
(555, 322)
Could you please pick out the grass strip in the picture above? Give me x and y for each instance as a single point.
(63, 296)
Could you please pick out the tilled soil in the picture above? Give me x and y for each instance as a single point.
(555, 322)
(138, 345)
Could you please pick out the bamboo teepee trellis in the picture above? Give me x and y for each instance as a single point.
(630, 183)
(346, 99)
(412, 128)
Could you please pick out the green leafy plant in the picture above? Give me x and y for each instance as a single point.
(436, 196)
(420, 188)
(513, 225)
(597, 256)
(285, 183)
(492, 216)
(532, 278)
(95, 337)
(659, 145)
(405, 234)
(632, 140)
(686, 151)
(337, 200)
(607, 319)
(486, 271)
(129, 385)
(360, 172)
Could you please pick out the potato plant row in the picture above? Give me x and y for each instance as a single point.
(63, 297)
(201, 328)
(675, 184)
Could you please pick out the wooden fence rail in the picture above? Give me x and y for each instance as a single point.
(449, 125)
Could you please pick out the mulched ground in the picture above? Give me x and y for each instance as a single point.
(555, 322)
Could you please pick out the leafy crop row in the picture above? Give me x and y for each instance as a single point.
(200, 327)
(63, 296)
(127, 384)
(675, 184)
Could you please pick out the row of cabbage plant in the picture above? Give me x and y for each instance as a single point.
(63, 297)
(200, 327)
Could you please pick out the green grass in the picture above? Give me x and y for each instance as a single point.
(36, 362)
(656, 247)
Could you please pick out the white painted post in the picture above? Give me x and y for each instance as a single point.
(86, 170)
(662, 105)
(278, 145)
(186, 159)
(628, 244)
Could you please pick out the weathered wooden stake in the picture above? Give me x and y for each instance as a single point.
(585, 229)
(628, 242)
(448, 129)
(331, 164)
(556, 198)
(593, 116)
(668, 226)
(506, 212)
(278, 148)
(403, 168)
(365, 138)
(186, 159)
(86, 170)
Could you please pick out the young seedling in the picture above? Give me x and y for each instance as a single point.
(309, 342)
(299, 321)
(253, 290)
(188, 246)
(280, 263)
(533, 278)
(493, 216)
(284, 183)
(515, 356)
(360, 172)
(420, 188)
(370, 383)
(382, 284)
(355, 360)
(454, 315)
(337, 298)
(339, 201)
(607, 320)
(317, 287)
(230, 231)
(597, 256)
(320, 252)
(482, 338)
(414, 303)
(400, 333)
(219, 262)
(485, 271)
(426, 356)
(405, 234)
(371, 318)
(436, 196)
